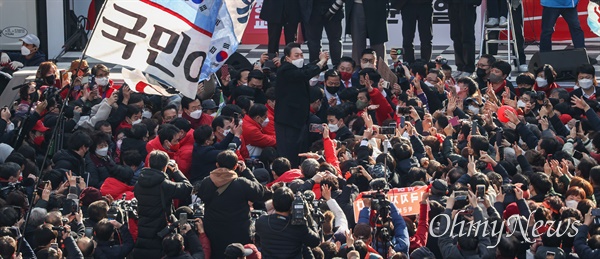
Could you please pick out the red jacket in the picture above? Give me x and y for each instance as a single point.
(183, 155)
(385, 109)
(546, 89)
(287, 177)
(155, 144)
(253, 134)
(270, 128)
(124, 125)
(420, 237)
(331, 154)
(205, 119)
(116, 189)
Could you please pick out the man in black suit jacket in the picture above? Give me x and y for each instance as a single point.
(337, 126)
(293, 99)
(280, 14)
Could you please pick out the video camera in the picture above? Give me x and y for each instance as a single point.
(4, 191)
(306, 208)
(198, 208)
(121, 210)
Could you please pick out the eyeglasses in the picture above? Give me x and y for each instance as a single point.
(366, 60)
(479, 65)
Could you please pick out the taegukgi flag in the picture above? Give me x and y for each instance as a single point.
(167, 39)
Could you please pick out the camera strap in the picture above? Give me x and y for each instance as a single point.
(163, 205)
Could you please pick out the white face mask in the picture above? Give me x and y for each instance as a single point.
(571, 204)
(265, 123)
(10, 127)
(521, 104)
(196, 114)
(333, 127)
(541, 82)
(473, 109)
(102, 152)
(102, 81)
(214, 114)
(25, 51)
(226, 132)
(313, 81)
(147, 114)
(136, 121)
(299, 63)
(586, 83)
(429, 84)
(366, 65)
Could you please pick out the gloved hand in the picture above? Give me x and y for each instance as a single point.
(4, 58)
(16, 65)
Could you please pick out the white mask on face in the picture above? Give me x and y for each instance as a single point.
(541, 82)
(429, 84)
(10, 127)
(571, 204)
(473, 109)
(226, 132)
(313, 81)
(366, 65)
(136, 121)
(102, 152)
(214, 114)
(520, 104)
(196, 114)
(265, 123)
(102, 81)
(586, 83)
(147, 114)
(299, 63)
(25, 51)
(333, 127)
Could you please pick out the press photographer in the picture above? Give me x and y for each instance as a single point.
(174, 244)
(278, 236)
(113, 239)
(155, 192)
(389, 226)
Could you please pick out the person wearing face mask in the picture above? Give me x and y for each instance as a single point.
(484, 66)
(204, 155)
(573, 196)
(167, 141)
(102, 79)
(29, 55)
(136, 139)
(192, 111)
(544, 80)
(525, 82)
(292, 97)
(332, 85)
(348, 75)
(586, 86)
(270, 128)
(210, 107)
(337, 127)
(73, 158)
(132, 117)
(372, 96)
(101, 160)
(254, 138)
(316, 109)
(497, 79)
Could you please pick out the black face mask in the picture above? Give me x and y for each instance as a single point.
(34, 96)
(332, 89)
(481, 72)
(50, 79)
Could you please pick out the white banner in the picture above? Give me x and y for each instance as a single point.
(148, 36)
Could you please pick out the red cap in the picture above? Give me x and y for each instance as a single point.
(565, 118)
(39, 126)
(501, 116)
(511, 209)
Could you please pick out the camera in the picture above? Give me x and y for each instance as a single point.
(403, 110)
(198, 208)
(539, 95)
(298, 210)
(508, 188)
(18, 186)
(335, 7)
(441, 61)
(460, 195)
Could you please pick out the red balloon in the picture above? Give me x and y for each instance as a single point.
(502, 113)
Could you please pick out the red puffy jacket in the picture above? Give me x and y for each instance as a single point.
(155, 144)
(183, 156)
(253, 134)
(116, 189)
(270, 128)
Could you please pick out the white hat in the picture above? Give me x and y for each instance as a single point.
(31, 39)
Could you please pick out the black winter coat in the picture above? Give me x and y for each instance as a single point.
(227, 216)
(376, 13)
(280, 11)
(292, 94)
(152, 217)
(69, 160)
(134, 144)
(280, 239)
(204, 158)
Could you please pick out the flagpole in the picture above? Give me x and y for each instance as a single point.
(55, 130)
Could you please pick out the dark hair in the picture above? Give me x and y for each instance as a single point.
(256, 74)
(368, 51)
(491, 59)
(585, 166)
(595, 175)
(349, 60)
(526, 78)
(549, 72)
(470, 83)
(438, 73)
(372, 73)
(244, 102)
(270, 94)
(282, 199)
(419, 67)
(98, 138)
(336, 111)
(257, 110)
(16, 158)
(103, 230)
(182, 124)
(44, 234)
(479, 143)
(586, 69)
(121, 173)
(137, 131)
(167, 132)
(219, 121)
(185, 102)
(230, 110)
(287, 51)
(168, 107)
(541, 183)
(158, 160)
(173, 245)
(97, 210)
(132, 110)
(9, 169)
(9, 217)
(202, 134)
(79, 139)
(330, 73)
(469, 241)
(8, 246)
(502, 66)
(227, 159)
(131, 158)
(281, 165)
(348, 94)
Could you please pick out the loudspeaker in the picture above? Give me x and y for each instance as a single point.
(564, 62)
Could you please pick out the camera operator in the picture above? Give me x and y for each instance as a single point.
(46, 237)
(174, 245)
(278, 237)
(204, 156)
(155, 192)
(226, 194)
(400, 239)
(107, 245)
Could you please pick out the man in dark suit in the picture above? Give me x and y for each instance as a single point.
(280, 14)
(337, 126)
(319, 14)
(293, 99)
(367, 21)
(413, 12)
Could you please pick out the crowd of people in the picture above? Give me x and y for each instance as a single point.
(272, 162)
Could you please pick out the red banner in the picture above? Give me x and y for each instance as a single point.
(407, 200)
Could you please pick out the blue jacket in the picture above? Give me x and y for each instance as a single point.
(560, 3)
(401, 241)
